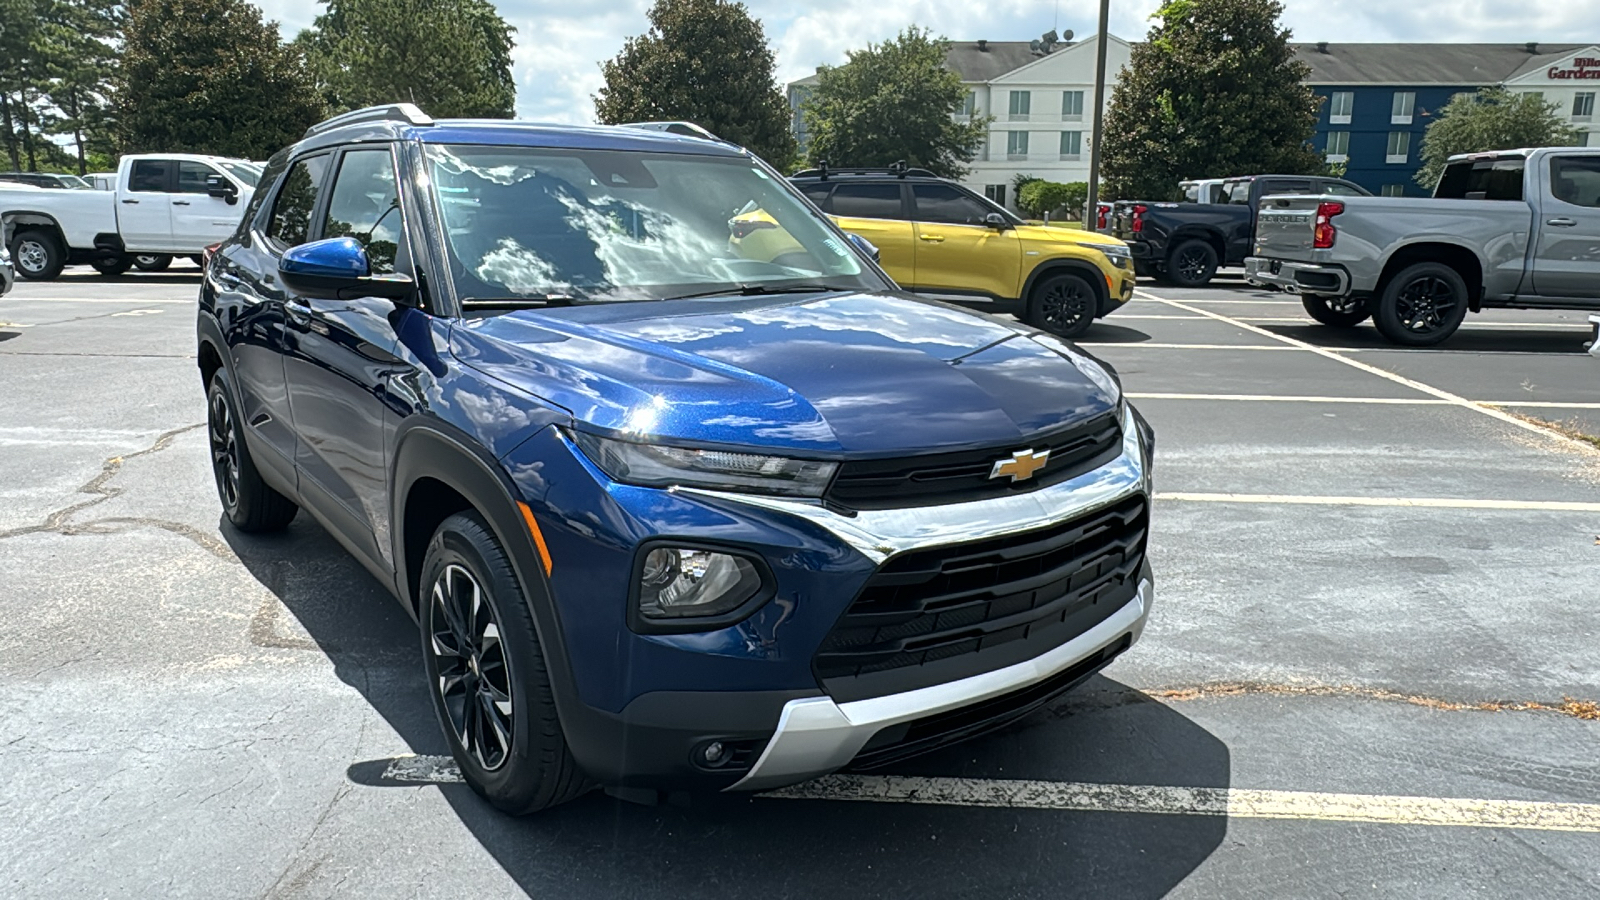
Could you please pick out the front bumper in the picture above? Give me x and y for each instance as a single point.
(1296, 277)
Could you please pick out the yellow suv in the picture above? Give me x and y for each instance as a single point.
(937, 237)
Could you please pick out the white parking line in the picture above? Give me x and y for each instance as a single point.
(1429, 389)
(1235, 803)
(1379, 401)
(1470, 326)
(1416, 502)
(143, 301)
(1153, 345)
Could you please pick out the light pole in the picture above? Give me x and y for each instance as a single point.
(1099, 105)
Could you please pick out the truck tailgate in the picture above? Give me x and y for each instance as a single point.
(1284, 226)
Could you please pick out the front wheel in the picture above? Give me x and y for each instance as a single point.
(38, 255)
(487, 673)
(1338, 312)
(1063, 305)
(1422, 305)
(152, 262)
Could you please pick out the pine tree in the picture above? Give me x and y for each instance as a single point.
(1491, 119)
(209, 76)
(704, 61)
(1215, 91)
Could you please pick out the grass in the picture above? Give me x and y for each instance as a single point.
(1060, 223)
(1571, 429)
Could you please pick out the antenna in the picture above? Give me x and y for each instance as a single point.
(1057, 23)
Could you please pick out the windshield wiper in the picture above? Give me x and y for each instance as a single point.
(540, 301)
(756, 290)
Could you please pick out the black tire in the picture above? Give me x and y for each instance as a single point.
(152, 262)
(1422, 305)
(1338, 312)
(37, 255)
(111, 265)
(1063, 304)
(1191, 263)
(522, 765)
(249, 502)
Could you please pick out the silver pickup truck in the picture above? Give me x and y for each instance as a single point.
(1510, 229)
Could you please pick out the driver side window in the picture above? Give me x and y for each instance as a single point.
(297, 200)
(365, 205)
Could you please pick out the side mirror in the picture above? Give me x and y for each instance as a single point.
(865, 246)
(996, 221)
(217, 186)
(338, 269)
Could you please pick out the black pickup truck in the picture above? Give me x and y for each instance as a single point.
(1184, 243)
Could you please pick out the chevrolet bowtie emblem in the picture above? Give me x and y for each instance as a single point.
(1021, 465)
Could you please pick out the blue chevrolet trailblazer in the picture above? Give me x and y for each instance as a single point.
(672, 514)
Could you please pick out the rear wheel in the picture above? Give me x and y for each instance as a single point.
(1338, 312)
(487, 674)
(111, 265)
(37, 255)
(249, 502)
(152, 262)
(1063, 304)
(1422, 305)
(1192, 263)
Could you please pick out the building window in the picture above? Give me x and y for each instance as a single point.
(1338, 146)
(1071, 144)
(969, 106)
(1016, 145)
(1404, 106)
(1393, 190)
(1583, 105)
(1021, 105)
(1399, 147)
(1071, 105)
(995, 192)
(1340, 105)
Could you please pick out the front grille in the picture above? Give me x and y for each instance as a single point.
(958, 477)
(931, 616)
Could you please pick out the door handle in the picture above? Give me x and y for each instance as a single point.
(1562, 222)
(931, 238)
(180, 203)
(129, 200)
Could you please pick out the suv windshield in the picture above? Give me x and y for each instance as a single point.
(603, 225)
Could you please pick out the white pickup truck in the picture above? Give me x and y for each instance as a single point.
(163, 206)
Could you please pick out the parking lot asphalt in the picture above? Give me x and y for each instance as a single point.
(1370, 669)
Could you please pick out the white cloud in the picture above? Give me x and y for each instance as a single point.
(560, 45)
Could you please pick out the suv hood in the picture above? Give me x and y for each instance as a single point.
(839, 373)
(1057, 234)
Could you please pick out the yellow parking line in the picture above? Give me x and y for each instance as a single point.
(1235, 803)
(1415, 502)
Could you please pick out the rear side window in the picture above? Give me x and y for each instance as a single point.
(149, 176)
(868, 201)
(816, 193)
(1576, 180)
(1238, 191)
(296, 201)
(365, 205)
(1342, 190)
(1482, 179)
(945, 204)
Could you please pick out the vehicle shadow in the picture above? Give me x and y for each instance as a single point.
(182, 272)
(726, 845)
(1102, 332)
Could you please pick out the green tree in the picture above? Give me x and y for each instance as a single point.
(450, 57)
(707, 62)
(209, 76)
(1214, 91)
(82, 38)
(1491, 119)
(894, 101)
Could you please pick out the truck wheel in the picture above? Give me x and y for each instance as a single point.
(38, 255)
(487, 674)
(152, 262)
(1339, 312)
(1192, 263)
(1422, 305)
(1063, 305)
(111, 265)
(249, 502)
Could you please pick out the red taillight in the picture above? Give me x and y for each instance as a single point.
(1101, 210)
(205, 258)
(1323, 234)
(743, 228)
(1139, 209)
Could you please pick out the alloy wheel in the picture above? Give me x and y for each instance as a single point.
(1191, 264)
(1424, 305)
(32, 256)
(474, 679)
(224, 449)
(1064, 305)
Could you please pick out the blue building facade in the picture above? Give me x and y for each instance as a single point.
(1376, 132)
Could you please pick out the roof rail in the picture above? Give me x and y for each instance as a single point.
(392, 112)
(898, 170)
(687, 129)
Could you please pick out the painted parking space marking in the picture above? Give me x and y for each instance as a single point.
(1471, 326)
(1385, 374)
(1235, 803)
(1414, 502)
(1154, 345)
(142, 301)
(1377, 401)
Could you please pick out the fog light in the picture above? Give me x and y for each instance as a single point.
(680, 582)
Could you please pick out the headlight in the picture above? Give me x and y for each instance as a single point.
(685, 582)
(653, 465)
(1117, 253)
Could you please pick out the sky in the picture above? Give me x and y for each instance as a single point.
(560, 43)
